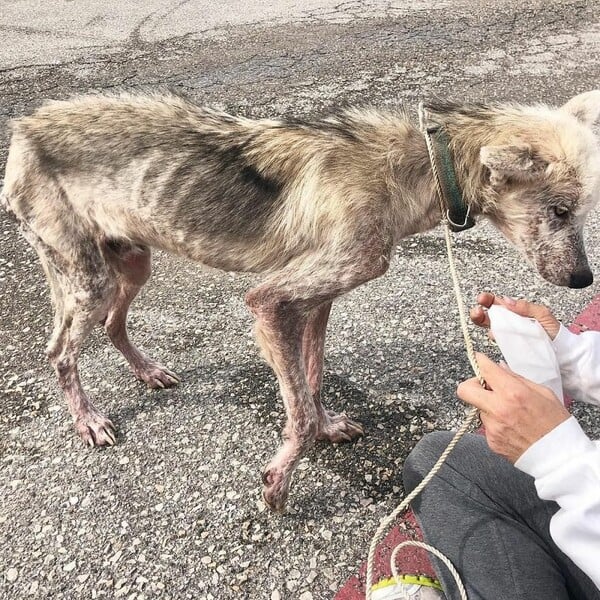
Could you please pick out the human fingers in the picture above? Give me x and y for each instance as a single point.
(497, 377)
(478, 313)
(472, 392)
(542, 314)
(508, 384)
(479, 317)
(486, 299)
(539, 312)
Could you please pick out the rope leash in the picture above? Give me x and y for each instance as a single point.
(471, 417)
(451, 262)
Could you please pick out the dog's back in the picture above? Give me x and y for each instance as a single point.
(152, 169)
(230, 192)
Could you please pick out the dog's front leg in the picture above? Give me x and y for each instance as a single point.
(332, 426)
(80, 315)
(278, 331)
(283, 305)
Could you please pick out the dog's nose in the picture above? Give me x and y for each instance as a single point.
(581, 279)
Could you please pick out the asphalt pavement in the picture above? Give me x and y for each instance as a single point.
(174, 510)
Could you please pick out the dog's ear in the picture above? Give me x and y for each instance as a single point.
(517, 162)
(585, 107)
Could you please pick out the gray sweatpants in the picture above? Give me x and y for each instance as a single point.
(485, 516)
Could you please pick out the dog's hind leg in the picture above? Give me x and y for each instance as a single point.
(132, 265)
(80, 290)
(332, 426)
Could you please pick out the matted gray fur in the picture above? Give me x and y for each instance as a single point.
(316, 206)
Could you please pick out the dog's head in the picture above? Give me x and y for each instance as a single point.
(541, 181)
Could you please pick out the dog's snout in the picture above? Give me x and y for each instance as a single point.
(581, 279)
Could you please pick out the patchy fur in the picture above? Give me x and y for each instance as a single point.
(316, 206)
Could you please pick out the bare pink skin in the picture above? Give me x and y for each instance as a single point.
(291, 313)
(78, 311)
(333, 427)
(134, 269)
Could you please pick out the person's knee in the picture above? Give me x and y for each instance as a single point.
(423, 456)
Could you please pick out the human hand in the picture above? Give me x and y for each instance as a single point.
(524, 308)
(516, 412)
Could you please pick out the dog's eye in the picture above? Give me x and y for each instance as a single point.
(561, 211)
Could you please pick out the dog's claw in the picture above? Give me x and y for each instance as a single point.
(156, 376)
(265, 478)
(276, 508)
(170, 374)
(275, 490)
(338, 428)
(111, 439)
(95, 429)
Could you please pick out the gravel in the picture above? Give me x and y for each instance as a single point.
(174, 509)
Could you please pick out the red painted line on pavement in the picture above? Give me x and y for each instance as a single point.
(589, 318)
(412, 560)
(416, 560)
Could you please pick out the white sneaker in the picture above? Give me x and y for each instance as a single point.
(409, 587)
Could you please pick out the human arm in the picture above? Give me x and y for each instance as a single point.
(565, 465)
(528, 425)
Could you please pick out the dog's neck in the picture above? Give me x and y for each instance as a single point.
(411, 185)
(414, 191)
(449, 193)
(469, 128)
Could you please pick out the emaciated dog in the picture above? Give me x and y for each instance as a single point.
(316, 206)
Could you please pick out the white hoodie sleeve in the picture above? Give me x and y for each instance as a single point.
(579, 361)
(565, 463)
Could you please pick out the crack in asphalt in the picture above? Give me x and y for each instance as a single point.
(459, 31)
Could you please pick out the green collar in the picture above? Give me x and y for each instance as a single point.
(457, 211)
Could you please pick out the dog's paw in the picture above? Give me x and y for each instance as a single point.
(276, 489)
(95, 429)
(156, 375)
(338, 428)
